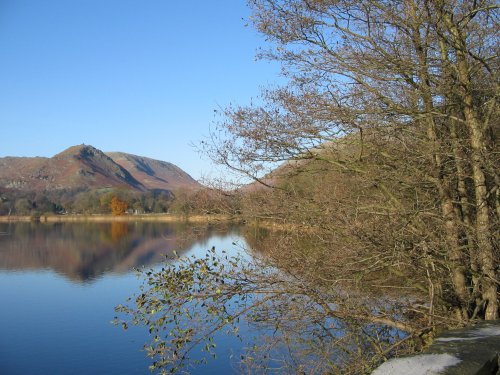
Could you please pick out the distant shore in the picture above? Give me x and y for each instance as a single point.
(123, 218)
(268, 223)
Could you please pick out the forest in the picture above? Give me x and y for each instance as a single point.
(82, 201)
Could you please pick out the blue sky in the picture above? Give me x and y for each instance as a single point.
(139, 76)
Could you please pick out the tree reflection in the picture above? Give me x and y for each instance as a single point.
(118, 230)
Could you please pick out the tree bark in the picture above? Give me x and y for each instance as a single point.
(483, 225)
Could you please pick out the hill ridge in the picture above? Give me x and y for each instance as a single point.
(85, 167)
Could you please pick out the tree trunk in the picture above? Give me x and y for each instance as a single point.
(454, 248)
(478, 147)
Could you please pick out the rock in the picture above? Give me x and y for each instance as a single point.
(468, 351)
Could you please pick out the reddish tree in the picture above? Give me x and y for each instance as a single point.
(118, 206)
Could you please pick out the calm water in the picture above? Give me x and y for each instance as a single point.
(59, 284)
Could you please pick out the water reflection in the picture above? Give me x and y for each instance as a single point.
(84, 251)
(60, 283)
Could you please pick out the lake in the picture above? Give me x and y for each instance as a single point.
(60, 282)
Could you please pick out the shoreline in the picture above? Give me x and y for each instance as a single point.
(122, 218)
(266, 223)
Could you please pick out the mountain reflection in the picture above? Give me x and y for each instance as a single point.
(85, 251)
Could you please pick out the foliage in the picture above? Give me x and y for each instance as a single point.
(118, 206)
(206, 201)
(184, 305)
(94, 201)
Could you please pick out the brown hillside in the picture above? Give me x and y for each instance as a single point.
(155, 174)
(77, 167)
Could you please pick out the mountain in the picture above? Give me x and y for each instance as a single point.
(154, 174)
(86, 167)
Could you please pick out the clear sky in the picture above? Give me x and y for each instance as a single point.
(138, 76)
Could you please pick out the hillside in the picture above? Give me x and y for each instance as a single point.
(85, 167)
(155, 174)
(78, 167)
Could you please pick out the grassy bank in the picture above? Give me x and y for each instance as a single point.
(124, 218)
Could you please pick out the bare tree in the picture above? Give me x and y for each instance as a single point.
(419, 73)
(388, 187)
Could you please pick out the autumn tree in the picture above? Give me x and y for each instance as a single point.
(118, 206)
